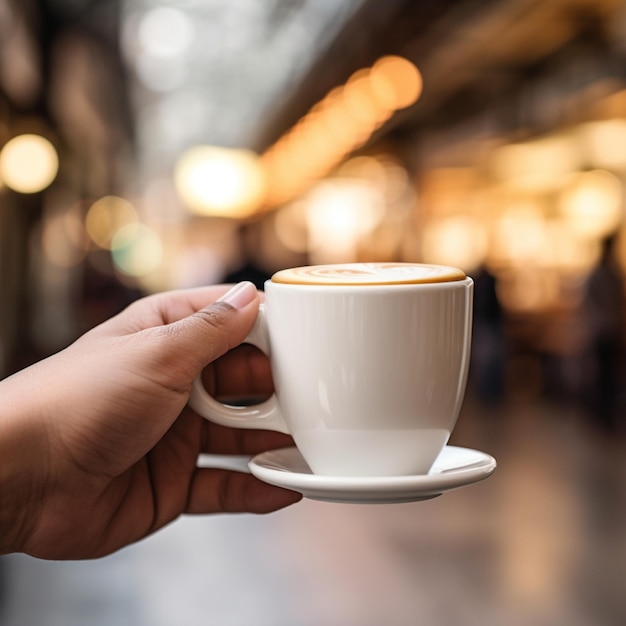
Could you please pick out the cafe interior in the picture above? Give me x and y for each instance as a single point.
(149, 145)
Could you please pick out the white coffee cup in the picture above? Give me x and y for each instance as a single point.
(369, 363)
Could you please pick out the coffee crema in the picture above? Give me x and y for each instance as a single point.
(368, 274)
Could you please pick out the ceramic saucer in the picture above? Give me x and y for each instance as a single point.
(455, 467)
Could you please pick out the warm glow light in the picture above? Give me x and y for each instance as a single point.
(521, 235)
(28, 163)
(569, 250)
(593, 204)
(459, 241)
(106, 216)
(359, 102)
(604, 143)
(339, 213)
(344, 120)
(220, 181)
(136, 250)
(290, 224)
(338, 122)
(539, 165)
(396, 82)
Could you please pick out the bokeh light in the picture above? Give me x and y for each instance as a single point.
(538, 166)
(165, 32)
(604, 143)
(521, 235)
(344, 120)
(220, 181)
(106, 217)
(157, 43)
(340, 212)
(290, 223)
(396, 82)
(136, 249)
(28, 163)
(459, 241)
(592, 203)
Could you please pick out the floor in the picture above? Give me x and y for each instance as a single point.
(542, 542)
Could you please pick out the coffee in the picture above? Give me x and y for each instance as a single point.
(368, 274)
(369, 362)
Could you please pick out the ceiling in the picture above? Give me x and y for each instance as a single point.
(212, 72)
(238, 73)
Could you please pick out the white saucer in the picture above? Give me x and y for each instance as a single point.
(455, 467)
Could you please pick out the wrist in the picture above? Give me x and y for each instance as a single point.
(22, 458)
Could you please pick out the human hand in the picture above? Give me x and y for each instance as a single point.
(98, 447)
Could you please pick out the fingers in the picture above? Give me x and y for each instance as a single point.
(224, 491)
(176, 305)
(218, 327)
(178, 351)
(241, 375)
(174, 335)
(162, 308)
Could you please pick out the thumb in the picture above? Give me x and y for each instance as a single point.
(212, 331)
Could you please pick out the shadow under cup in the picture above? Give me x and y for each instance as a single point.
(369, 372)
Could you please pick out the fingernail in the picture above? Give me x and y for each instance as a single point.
(240, 295)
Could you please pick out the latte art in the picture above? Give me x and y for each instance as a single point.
(368, 274)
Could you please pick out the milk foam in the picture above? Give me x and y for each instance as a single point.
(368, 274)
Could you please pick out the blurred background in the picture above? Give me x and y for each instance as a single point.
(151, 144)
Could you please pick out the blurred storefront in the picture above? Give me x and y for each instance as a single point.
(177, 144)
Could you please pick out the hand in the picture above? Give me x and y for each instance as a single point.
(97, 444)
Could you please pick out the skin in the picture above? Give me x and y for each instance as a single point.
(98, 448)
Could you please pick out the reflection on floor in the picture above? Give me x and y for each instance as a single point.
(541, 542)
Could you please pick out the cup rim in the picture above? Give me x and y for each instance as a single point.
(444, 284)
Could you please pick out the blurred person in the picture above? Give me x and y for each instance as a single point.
(247, 268)
(487, 366)
(97, 446)
(603, 310)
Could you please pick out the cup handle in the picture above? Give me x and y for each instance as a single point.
(265, 416)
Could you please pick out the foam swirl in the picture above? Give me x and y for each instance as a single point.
(368, 274)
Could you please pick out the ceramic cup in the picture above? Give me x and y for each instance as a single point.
(369, 363)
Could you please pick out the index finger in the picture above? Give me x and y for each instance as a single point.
(164, 308)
